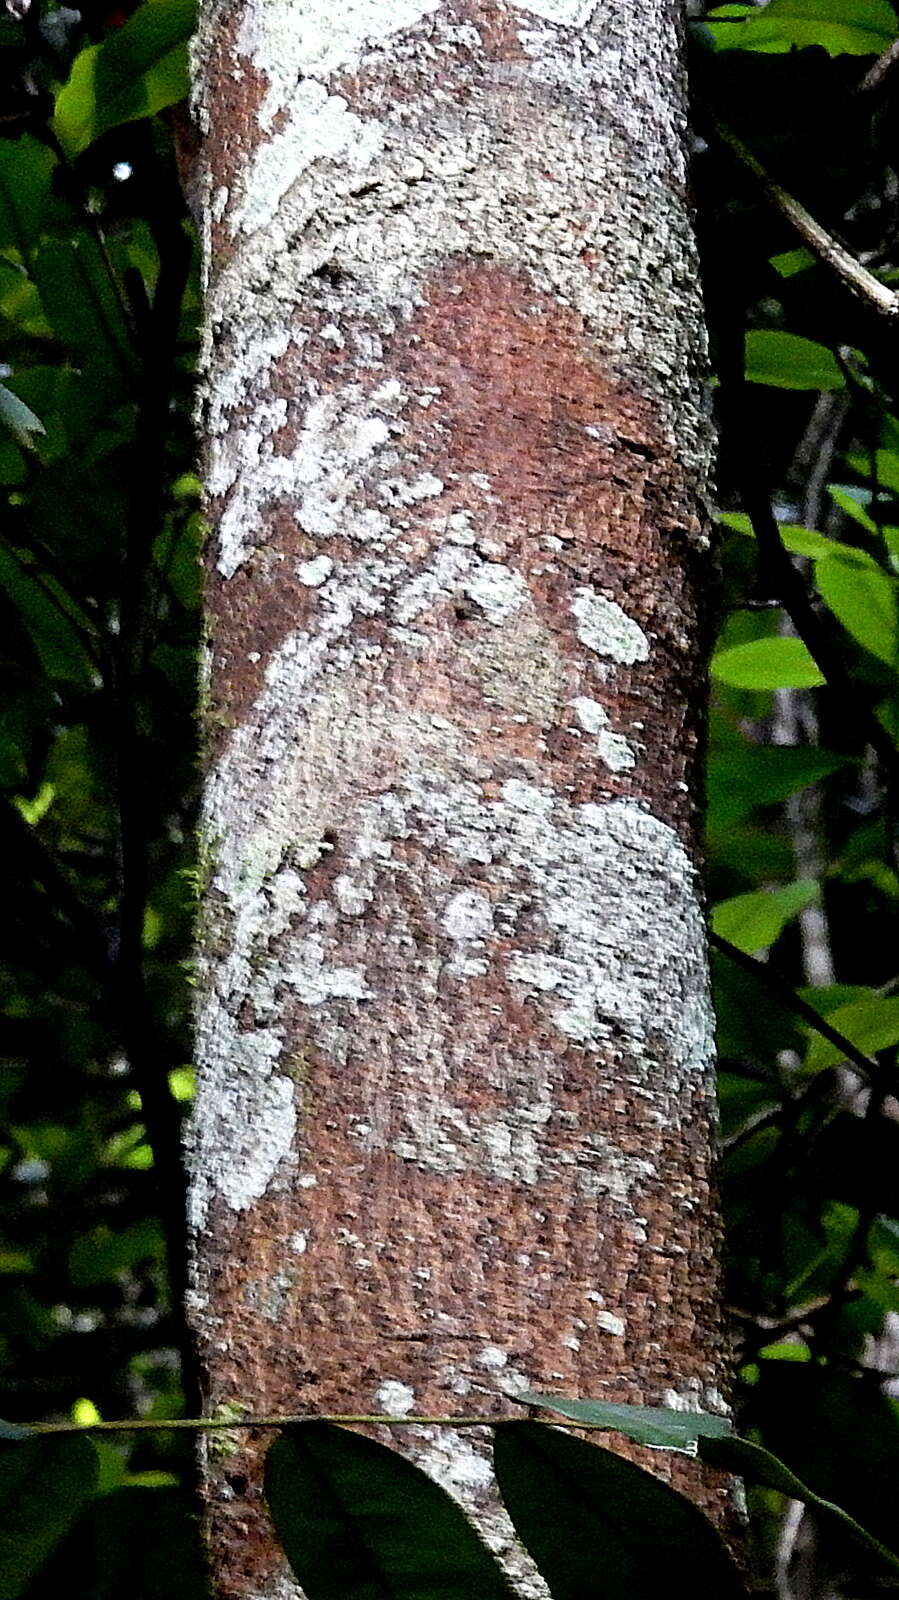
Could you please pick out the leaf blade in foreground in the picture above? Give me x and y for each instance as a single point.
(359, 1522)
(596, 1524)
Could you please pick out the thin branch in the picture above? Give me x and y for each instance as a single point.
(868, 1066)
(826, 247)
(757, 1124)
(881, 69)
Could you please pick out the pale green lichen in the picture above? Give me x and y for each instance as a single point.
(220, 1443)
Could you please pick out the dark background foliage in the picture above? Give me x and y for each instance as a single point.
(99, 632)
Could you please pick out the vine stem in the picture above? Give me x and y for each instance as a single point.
(212, 1424)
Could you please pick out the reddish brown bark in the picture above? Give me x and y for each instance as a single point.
(456, 697)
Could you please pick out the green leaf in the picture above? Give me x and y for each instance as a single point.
(134, 72)
(842, 27)
(804, 541)
(56, 640)
(784, 1350)
(650, 1425)
(61, 397)
(854, 501)
(13, 468)
(596, 1524)
(867, 604)
(774, 663)
(44, 1486)
(759, 1466)
(28, 205)
(791, 262)
(179, 559)
(762, 775)
(871, 1025)
(135, 1542)
(21, 314)
(754, 921)
(886, 470)
(18, 418)
(83, 307)
(888, 716)
(883, 470)
(359, 1522)
(787, 361)
(102, 1255)
(839, 1434)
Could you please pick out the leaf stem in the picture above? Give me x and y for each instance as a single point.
(346, 1419)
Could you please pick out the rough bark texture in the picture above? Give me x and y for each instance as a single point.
(454, 1114)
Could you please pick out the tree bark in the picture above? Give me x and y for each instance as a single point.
(455, 1098)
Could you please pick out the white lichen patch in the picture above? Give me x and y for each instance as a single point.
(615, 752)
(339, 435)
(619, 968)
(613, 1173)
(242, 376)
(613, 749)
(609, 1323)
(409, 491)
(569, 13)
(456, 1464)
(250, 1116)
(537, 970)
(350, 897)
(313, 573)
(529, 797)
(694, 1396)
(320, 127)
(498, 590)
(492, 1356)
(594, 860)
(509, 1149)
(394, 1398)
(468, 915)
(458, 527)
(309, 975)
(281, 1587)
(439, 580)
(604, 627)
(251, 474)
(292, 40)
(617, 961)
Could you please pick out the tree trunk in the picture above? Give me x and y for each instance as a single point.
(455, 1099)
